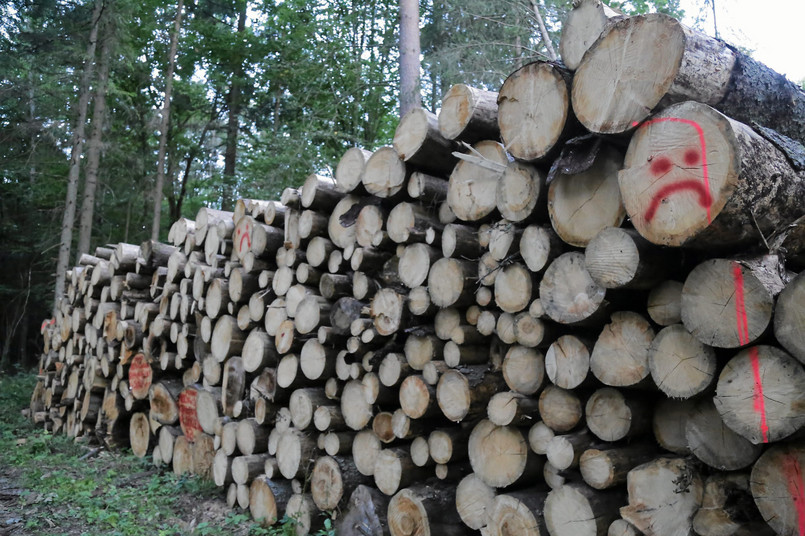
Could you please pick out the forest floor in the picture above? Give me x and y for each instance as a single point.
(52, 485)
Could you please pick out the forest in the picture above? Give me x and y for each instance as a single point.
(252, 96)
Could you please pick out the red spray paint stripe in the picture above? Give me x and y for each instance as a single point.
(742, 324)
(796, 487)
(702, 146)
(188, 417)
(139, 374)
(246, 236)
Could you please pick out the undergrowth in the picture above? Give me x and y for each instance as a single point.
(64, 491)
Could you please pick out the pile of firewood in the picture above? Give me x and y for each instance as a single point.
(567, 307)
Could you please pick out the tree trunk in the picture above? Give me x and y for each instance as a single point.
(77, 142)
(409, 56)
(94, 143)
(165, 122)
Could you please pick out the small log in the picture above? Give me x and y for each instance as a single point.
(606, 468)
(385, 174)
(583, 26)
(523, 369)
(514, 288)
(521, 193)
(510, 408)
(366, 514)
(341, 235)
(567, 362)
(418, 142)
(518, 512)
(680, 365)
(258, 351)
(425, 508)
(474, 501)
(349, 171)
(560, 409)
(295, 453)
(394, 469)
(568, 293)
(244, 469)
(451, 282)
(473, 182)
(534, 111)
(664, 495)
(620, 355)
(776, 407)
(670, 422)
(268, 498)
(500, 455)
(777, 487)
(469, 114)
(621, 258)
(333, 480)
(409, 222)
(465, 393)
(712, 442)
(320, 193)
(576, 509)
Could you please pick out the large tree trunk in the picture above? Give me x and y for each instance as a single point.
(163, 132)
(68, 219)
(94, 149)
(232, 125)
(409, 56)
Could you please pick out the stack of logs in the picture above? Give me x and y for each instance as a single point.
(455, 334)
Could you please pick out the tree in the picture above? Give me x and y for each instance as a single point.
(409, 56)
(94, 145)
(165, 122)
(68, 220)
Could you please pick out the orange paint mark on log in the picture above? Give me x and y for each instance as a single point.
(188, 415)
(140, 374)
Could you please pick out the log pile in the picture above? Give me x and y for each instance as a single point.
(500, 323)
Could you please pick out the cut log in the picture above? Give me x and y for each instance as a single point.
(295, 453)
(182, 456)
(620, 355)
(776, 407)
(469, 114)
(500, 455)
(621, 258)
(234, 384)
(408, 222)
(582, 27)
(395, 470)
(465, 393)
(665, 303)
(612, 416)
(366, 514)
(560, 409)
(510, 408)
(252, 438)
(320, 193)
(356, 410)
(778, 488)
(626, 60)
(474, 501)
(341, 235)
(268, 499)
(140, 434)
(523, 369)
(664, 495)
(534, 111)
(333, 480)
(568, 293)
(385, 174)
(539, 437)
(567, 361)
(473, 183)
(425, 509)
(788, 318)
(696, 178)
(415, 263)
(518, 512)
(521, 192)
(418, 398)
(680, 365)
(727, 508)
(576, 509)
(670, 422)
(539, 246)
(460, 241)
(227, 338)
(258, 351)
(389, 312)
(349, 171)
(725, 305)
(596, 186)
(514, 288)
(451, 282)
(602, 469)
(245, 469)
(446, 445)
(712, 442)
(418, 142)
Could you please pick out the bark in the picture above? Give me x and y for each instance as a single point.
(77, 142)
(95, 143)
(165, 122)
(409, 56)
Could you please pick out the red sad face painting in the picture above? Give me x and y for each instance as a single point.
(673, 176)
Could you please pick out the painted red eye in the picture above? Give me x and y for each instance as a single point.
(660, 166)
(691, 157)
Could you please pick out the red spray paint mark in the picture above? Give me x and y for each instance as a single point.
(140, 375)
(188, 416)
(246, 236)
(742, 324)
(796, 487)
(691, 158)
(704, 196)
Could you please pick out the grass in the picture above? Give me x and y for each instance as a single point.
(56, 490)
